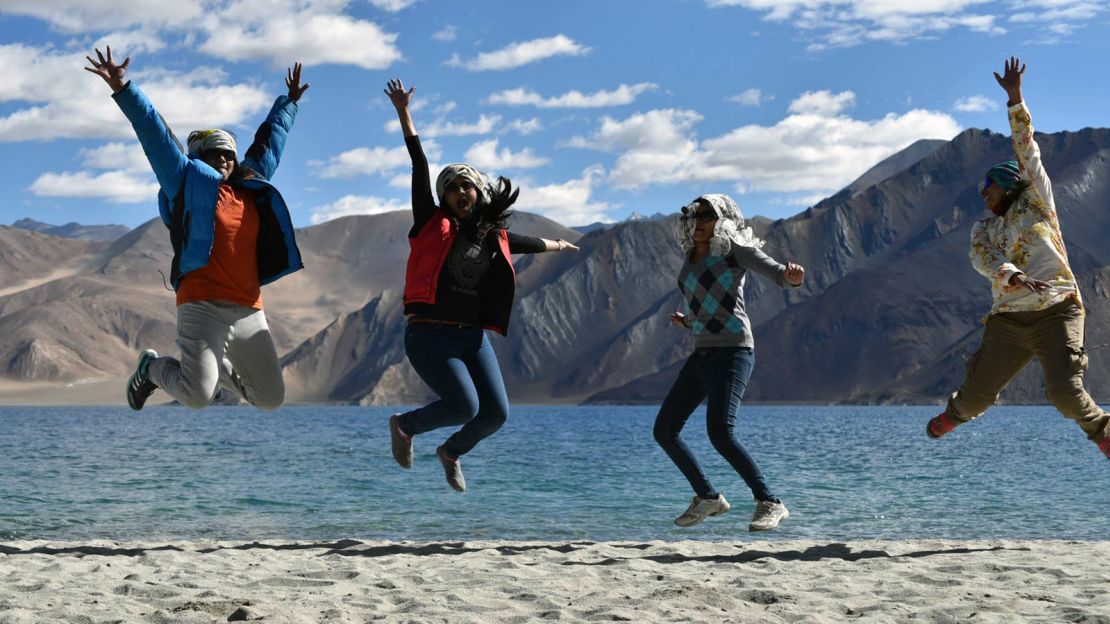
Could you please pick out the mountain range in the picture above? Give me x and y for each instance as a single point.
(889, 311)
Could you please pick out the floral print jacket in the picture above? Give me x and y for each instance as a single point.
(1027, 238)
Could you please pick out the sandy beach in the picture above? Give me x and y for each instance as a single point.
(755, 581)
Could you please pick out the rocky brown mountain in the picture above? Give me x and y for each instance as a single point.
(889, 311)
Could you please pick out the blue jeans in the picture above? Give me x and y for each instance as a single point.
(719, 375)
(459, 365)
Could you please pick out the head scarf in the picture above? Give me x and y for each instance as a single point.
(1007, 175)
(728, 231)
(201, 141)
(458, 170)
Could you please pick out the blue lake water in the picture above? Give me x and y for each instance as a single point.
(552, 473)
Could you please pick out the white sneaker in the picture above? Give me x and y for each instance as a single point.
(768, 515)
(700, 508)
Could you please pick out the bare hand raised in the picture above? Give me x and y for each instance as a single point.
(795, 273)
(293, 81)
(108, 70)
(1011, 79)
(398, 95)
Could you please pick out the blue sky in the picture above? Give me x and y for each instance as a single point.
(595, 108)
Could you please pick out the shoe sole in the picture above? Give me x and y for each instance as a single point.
(149, 355)
(700, 520)
(753, 529)
(446, 467)
(395, 439)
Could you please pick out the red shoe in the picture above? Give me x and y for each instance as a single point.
(939, 425)
(1104, 446)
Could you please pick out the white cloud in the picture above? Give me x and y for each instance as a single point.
(445, 108)
(843, 23)
(822, 102)
(751, 97)
(624, 94)
(975, 104)
(442, 127)
(447, 33)
(355, 205)
(128, 157)
(67, 102)
(393, 6)
(369, 161)
(485, 156)
(311, 37)
(811, 150)
(98, 15)
(523, 53)
(526, 126)
(116, 186)
(568, 203)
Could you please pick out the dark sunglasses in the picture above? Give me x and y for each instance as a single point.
(985, 184)
(704, 216)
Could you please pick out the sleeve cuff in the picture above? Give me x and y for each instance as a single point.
(1007, 271)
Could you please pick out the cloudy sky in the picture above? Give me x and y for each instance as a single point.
(595, 108)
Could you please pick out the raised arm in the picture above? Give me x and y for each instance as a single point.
(264, 154)
(423, 201)
(1025, 145)
(162, 150)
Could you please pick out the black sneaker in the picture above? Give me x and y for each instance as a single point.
(451, 469)
(140, 387)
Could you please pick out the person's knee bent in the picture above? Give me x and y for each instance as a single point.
(665, 434)
(1069, 398)
(721, 435)
(464, 408)
(198, 397)
(270, 400)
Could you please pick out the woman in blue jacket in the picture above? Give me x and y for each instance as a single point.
(231, 233)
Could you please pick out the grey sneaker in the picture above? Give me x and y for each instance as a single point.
(768, 515)
(700, 508)
(451, 469)
(402, 444)
(140, 387)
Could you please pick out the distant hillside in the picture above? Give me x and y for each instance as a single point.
(889, 311)
(74, 230)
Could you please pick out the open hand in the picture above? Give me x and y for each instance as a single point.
(795, 274)
(1034, 285)
(398, 95)
(1011, 79)
(108, 70)
(293, 81)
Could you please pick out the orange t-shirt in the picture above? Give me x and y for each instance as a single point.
(232, 271)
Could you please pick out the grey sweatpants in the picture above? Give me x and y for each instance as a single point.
(222, 345)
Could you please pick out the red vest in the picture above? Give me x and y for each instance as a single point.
(427, 254)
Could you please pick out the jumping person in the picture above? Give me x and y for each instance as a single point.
(719, 251)
(458, 282)
(231, 233)
(1037, 310)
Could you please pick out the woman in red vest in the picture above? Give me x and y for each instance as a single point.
(459, 281)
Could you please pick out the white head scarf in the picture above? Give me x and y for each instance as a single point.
(203, 140)
(729, 230)
(466, 172)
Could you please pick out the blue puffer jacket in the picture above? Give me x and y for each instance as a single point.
(190, 188)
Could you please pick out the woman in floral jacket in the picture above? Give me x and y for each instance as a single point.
(1037, 311)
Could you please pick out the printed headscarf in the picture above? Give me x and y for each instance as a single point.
(1007, 175)
(203, 140)
(729, 230)
(459, 170)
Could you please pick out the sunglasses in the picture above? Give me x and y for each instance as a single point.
(704, 216)
(985, 184)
